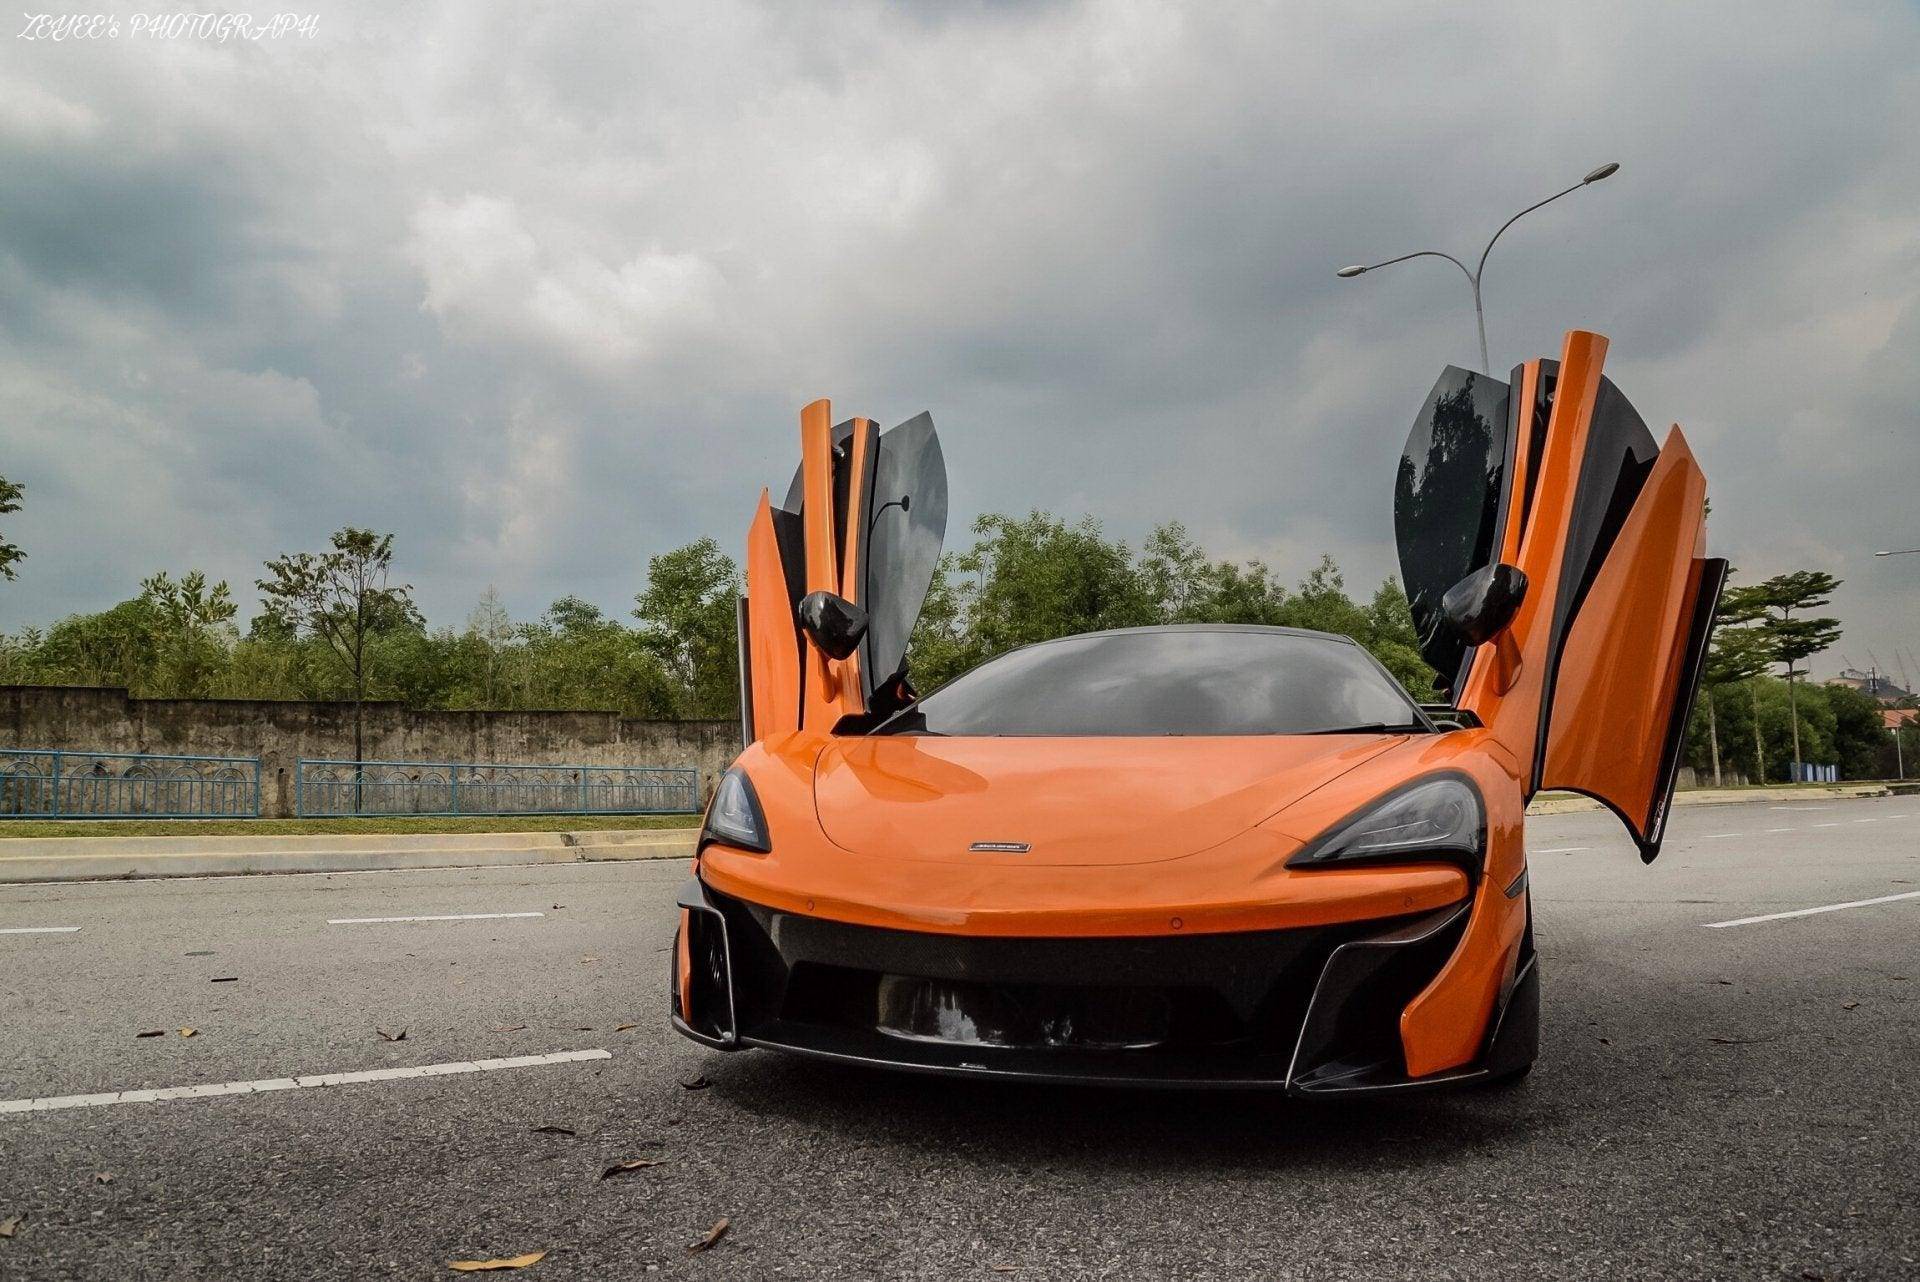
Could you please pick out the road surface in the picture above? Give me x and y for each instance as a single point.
(1711, 1101)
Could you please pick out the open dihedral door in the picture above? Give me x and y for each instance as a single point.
(1591, 682)
(864, 520)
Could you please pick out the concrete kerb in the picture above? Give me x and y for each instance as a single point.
(40, 859)
(1555, 803)
(43, 859)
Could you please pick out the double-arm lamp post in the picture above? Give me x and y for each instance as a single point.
(1473, 276)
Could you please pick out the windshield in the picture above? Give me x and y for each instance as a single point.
(1171, 681)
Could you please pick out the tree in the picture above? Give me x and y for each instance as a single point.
(1796, 639)
(1033, 578)
(689, 623)
(1740, 651)
(10, 495)
(342, 597)
(191, 626)
(491, 627)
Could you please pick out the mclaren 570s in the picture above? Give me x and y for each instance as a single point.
(1199, 856)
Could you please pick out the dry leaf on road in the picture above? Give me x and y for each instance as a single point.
(188, 1032)
(714, 1234)
(634, 1164)
(483, 1266)
(11, 1225)
(699, 1083)
(624, 1027)
(385, 1036)
(1849, 1005)
(158, 1032)
(103, 1177)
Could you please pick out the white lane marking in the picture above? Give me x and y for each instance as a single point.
(37, 930)
(48, 1103)
(1776, 830)
(1823, 908)
(1710, 836)
(377, 921)
(1834, 824)
(1869, 820)
(1561, 850)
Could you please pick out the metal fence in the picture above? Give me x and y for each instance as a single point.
(95, 785)
(464, 788)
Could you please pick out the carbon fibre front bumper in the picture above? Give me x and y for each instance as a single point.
(1311, 1011)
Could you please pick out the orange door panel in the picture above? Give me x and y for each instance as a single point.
(1623, 679)
(771, 646)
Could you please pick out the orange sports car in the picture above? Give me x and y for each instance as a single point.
(1214, 856)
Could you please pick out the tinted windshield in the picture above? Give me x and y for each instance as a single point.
(1173, 682)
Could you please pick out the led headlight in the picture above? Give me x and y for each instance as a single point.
(1435, 818)
(734, 818)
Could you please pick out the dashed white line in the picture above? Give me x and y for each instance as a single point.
(378, 921)
(1834, 824)
(48, 1103)
(1823, 908)
(1710, 836)
(38, 930)
(1560, 850)
(1776, 830)
(1870, 819)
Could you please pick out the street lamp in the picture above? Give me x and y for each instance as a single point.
(1473, 276)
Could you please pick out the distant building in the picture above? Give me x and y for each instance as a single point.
(1894, 718)
(1874, 685)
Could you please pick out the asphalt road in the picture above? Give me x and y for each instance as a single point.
(1725, 1102)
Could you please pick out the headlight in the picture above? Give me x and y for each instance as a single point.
(1439, 817)
(734, 818)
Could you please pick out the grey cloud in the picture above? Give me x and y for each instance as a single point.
(544, 291)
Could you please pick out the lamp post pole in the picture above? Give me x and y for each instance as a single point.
(1475, 273)
(1899, 756)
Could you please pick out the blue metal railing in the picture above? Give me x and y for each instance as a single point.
(38, 784)
(467, 788)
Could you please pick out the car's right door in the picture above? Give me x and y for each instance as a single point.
(1590, 684)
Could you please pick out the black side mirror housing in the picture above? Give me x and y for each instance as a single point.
(1478, 606)
(835, 623)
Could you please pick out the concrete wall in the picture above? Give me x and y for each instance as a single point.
(280, 732)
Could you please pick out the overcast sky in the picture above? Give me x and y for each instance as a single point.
(543, 288)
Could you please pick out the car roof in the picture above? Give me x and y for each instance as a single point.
(1267, 628)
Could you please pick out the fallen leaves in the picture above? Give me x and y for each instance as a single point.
(633, 1164)
(157, 1032)
(551, 1130)
(714, 1234)
(103, 1177)
(11, 1225)
(624, 1027)
(189, 1032)
(695, 1083)
(485, 1266)
(1849, 1005)
(385, 1036)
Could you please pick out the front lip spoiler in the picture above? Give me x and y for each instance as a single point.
(1513, 1024)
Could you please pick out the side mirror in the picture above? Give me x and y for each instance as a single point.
(835, 623)
(1478, 606)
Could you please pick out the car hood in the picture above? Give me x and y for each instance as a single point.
(1070, 801)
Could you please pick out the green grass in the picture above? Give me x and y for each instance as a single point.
(315, 827)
